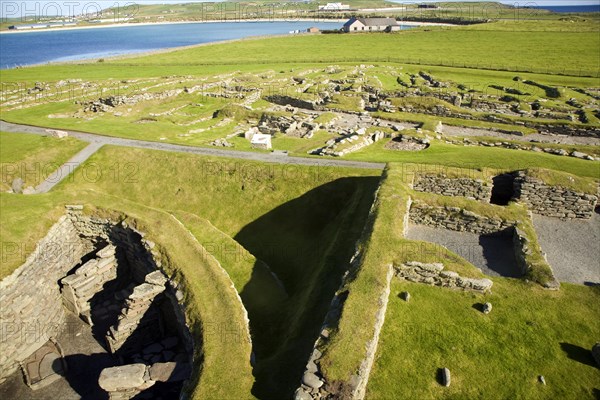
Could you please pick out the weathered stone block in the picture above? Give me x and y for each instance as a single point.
(122, 377)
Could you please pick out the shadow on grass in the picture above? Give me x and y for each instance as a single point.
(578, 353)
(478, 307)
(307, 243)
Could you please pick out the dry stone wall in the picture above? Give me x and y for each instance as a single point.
(434, 274)
(32, 310)
(79, 288)
(553, 201)
(476, 189)
(457, 219)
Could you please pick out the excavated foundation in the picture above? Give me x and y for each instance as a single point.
(91, 315)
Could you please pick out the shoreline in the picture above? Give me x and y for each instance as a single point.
(134, 24)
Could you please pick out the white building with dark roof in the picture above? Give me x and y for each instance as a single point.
(371, 25)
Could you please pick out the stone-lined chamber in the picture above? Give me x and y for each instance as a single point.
(105, 273)
(457, 219)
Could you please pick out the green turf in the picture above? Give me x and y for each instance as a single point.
(33, 158)
(530, 332)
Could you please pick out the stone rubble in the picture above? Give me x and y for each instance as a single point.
(434, 274)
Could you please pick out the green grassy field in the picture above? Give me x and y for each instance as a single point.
(284, 234)
(488, 49)
(530, 332)
(33, 158)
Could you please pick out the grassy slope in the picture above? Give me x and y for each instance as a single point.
(530, 332)
(477, 157)
(32, 158)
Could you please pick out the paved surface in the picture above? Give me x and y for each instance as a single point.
(64, 170)
(572, 247)
(85, 360)
(494, 255)
(213, 152)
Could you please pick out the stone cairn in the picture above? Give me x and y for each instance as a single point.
(137, 313)
(89, 279)
(434, 274)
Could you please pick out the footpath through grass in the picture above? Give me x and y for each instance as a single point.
(33, 158)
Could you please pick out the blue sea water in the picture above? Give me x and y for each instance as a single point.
(572, 9)
(42, 47)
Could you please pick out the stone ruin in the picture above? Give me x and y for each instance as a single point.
(434, 274)
(553, 201)
(107, 275)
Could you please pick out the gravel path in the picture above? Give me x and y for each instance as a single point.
(572, 247)
(213, 152)
(494, 255)
(65, 170)
(536, 137)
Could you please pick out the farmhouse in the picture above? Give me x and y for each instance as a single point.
(371, 25)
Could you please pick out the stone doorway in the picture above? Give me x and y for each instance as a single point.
(503, 189)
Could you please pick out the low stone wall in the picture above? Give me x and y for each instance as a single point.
(31, 310)
(137, 314)
(476, 189)
(79, 288)
(314, 384)
(522, 248)
(457, 219)
(434, 274)
(553, 201)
